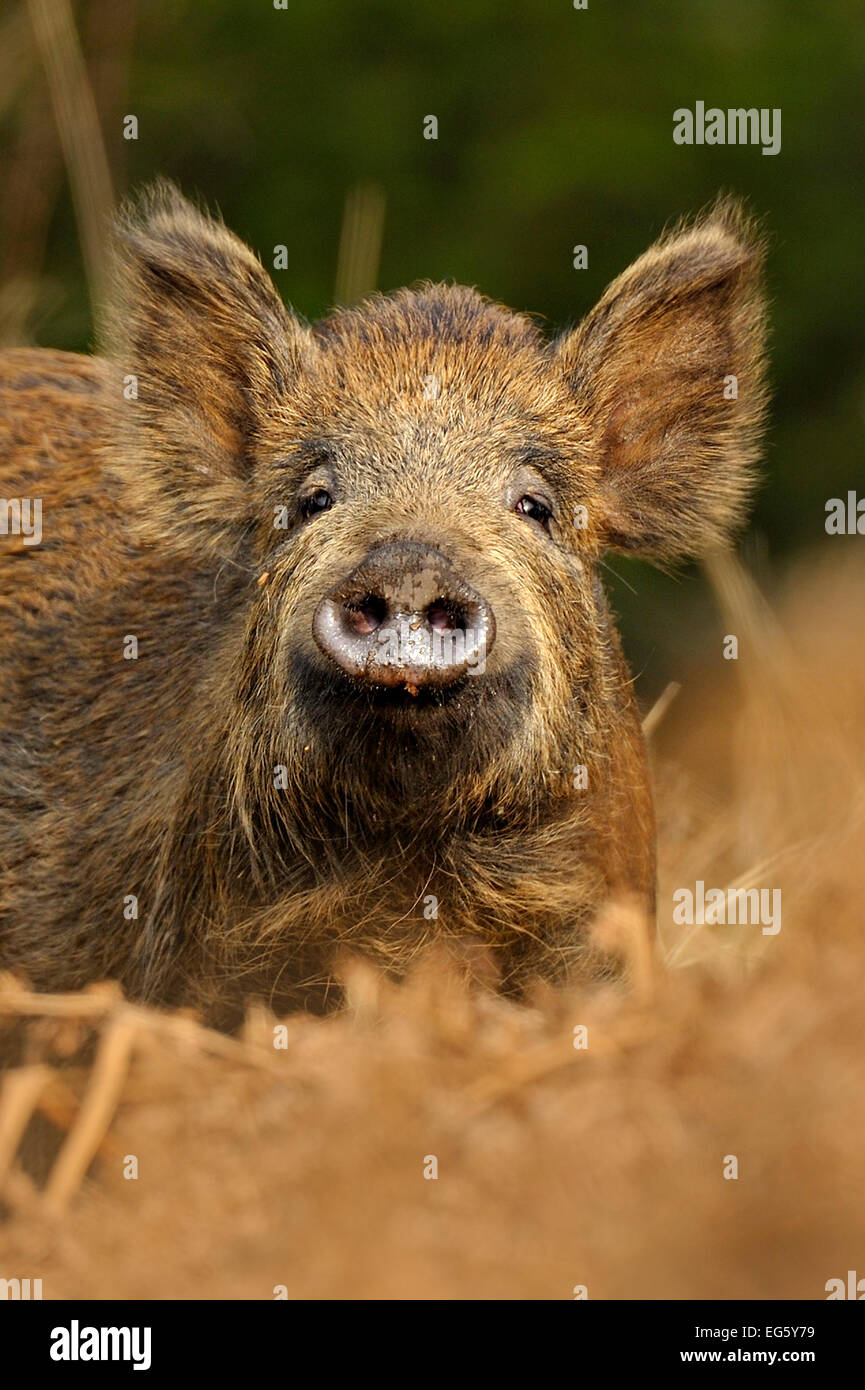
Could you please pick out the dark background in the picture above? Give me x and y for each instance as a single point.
(555, 128)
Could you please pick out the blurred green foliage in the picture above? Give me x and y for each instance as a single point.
(555, 128)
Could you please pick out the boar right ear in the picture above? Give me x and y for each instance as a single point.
(667, 371)
(207, 351)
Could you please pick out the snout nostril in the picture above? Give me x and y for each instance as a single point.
(405, 617)
(443, 615)
(365, 615)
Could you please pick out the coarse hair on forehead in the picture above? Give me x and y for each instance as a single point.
(430, 314)
(431, 338)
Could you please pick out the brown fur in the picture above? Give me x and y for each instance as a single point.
(154, 777)
(304, 1166)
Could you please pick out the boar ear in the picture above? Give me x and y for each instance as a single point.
(208, 351)
(669, 370)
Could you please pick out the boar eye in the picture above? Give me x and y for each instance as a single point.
(535, 509)
(318, 501)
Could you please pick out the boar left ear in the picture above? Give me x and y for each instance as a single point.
(668, 369)
(208, 353)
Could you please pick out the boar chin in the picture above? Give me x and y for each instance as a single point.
(465, 724)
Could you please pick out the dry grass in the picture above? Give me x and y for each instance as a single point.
(61, 115)
(304, 1167)
(360, 243)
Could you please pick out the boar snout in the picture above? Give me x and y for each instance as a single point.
(405, 617)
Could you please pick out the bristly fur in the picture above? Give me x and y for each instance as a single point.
(142, 832)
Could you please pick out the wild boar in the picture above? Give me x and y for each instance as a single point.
(313, 651)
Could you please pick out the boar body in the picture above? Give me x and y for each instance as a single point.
(215, 809)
